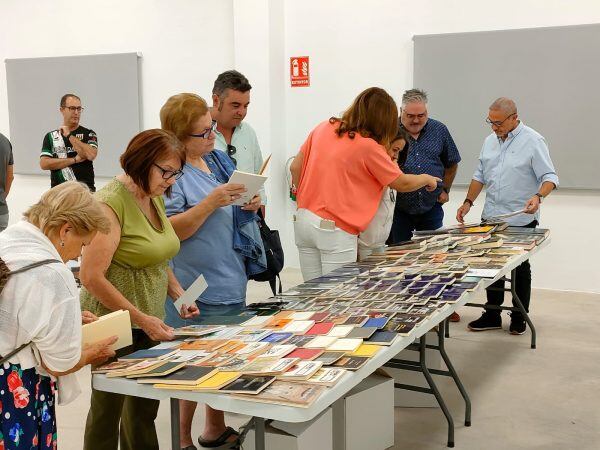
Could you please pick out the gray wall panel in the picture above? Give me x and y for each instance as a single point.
(552, 73)
(109, 90)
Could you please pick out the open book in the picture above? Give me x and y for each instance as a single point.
(251, 182)
(117, 323)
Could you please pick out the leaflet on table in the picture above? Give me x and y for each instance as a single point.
(190, 295)
(251, 182)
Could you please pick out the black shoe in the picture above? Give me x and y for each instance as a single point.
(486, 322)
(517, 327)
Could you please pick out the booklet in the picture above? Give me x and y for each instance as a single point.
(251, 182)
(192, 293)
(117, 323)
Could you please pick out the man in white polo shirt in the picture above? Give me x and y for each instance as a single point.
(231, 97)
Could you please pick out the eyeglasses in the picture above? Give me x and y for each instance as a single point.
(74, 108)
(230, 152)
(497, 123)
(206, 133)
(168, 174)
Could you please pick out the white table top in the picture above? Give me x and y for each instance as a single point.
(226, 402)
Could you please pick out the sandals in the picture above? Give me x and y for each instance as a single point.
(221, 443)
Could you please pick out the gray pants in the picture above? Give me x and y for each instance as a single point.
(3, 221)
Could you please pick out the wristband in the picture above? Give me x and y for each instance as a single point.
(469, 201)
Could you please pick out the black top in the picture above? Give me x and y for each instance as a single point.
(84, 170)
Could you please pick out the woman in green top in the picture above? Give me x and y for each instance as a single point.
(128, 269)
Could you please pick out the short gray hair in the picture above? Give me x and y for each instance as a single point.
(504, 104)
(414, 96)
(231, 79)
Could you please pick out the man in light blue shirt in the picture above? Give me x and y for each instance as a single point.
(515, 166)
(231, 98)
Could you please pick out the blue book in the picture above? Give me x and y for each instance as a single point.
(277, 338)
(378, 322)
(150, 353)
(382, 338)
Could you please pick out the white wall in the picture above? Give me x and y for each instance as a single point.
(368, 44)
(185, 43)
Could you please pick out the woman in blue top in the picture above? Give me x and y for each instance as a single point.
(218, 240)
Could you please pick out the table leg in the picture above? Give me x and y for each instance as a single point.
(175, 424)
(259, 433)
(517, 300)
(454, 375)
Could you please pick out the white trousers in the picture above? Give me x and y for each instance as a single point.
(322, 246)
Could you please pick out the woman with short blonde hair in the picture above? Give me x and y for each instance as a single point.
(40, 324)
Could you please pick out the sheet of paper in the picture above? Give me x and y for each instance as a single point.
(192, 293)
(251, 182)
(506, 216)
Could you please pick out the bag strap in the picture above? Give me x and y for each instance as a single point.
(34, 265)
(273, 284)
(12, 272)
(13, 353)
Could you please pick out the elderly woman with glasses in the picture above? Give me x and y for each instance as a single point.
(128, 269)
(218, 240)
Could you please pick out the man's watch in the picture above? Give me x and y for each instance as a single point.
(540, 196)
(469, 201)
(446, 189)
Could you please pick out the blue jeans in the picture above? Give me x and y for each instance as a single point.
(209, 314)
(404, 223)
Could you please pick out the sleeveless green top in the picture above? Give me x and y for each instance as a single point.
(139, 265)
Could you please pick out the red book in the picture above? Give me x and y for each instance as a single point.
(305, 353)
(320, 328)
(319, 316)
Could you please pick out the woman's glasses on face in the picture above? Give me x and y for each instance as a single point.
(168, 174)
(206, 133)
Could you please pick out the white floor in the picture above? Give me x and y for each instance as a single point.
(541, 399)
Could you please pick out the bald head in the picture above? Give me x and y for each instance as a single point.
(504, 104)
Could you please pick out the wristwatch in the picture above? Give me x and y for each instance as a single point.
(540, 196)
(446, 190)
(469, 201)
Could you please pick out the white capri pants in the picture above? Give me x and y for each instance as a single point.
(322, 246)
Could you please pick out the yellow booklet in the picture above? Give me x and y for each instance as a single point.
(367, 350)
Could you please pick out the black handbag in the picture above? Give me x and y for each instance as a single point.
(273, 253)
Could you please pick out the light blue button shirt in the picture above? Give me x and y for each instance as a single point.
(209, 251)
(513, 171)
(247, 151)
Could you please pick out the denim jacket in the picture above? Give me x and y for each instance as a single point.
(246, 234)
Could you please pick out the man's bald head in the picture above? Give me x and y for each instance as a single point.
(504, 104)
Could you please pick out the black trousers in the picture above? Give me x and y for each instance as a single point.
(522, 287)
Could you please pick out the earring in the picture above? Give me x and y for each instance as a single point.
(62, 243)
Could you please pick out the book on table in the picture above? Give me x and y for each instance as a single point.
(327, 376)
(248, 384)
(188, 375)
(288, 393)
(301, 371)
(160, 370)
(264, 366)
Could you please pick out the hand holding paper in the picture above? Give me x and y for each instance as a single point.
(188, 298)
